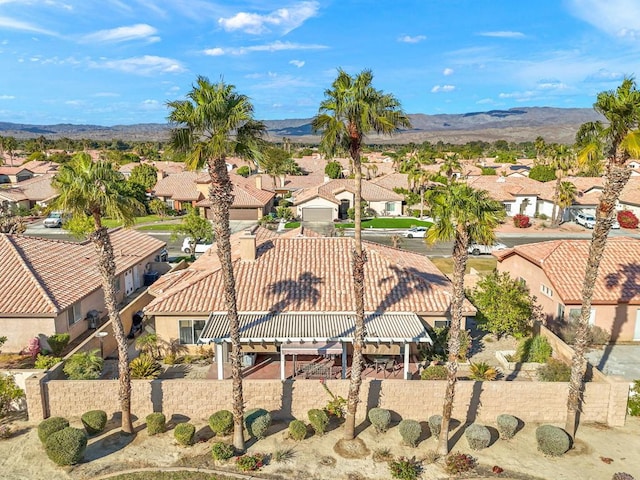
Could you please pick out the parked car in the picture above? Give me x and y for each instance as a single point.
(478, 249)
(54, 220)
(201, 247)
(588, 220)
(415, 232)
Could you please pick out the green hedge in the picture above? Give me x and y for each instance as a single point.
(66, 446)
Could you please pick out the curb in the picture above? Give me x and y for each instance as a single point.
(178, 469)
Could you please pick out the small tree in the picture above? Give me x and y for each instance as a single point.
(158, 207)
(504, 305)
(542, 173)
(197, 228)
(9, 393)
(333, 170)
(145, 175)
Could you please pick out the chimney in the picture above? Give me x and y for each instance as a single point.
(248, 246)
(161, 174)
(259, 182)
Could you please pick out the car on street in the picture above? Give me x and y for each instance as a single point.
(415, 232)
(200, 246)
(478, 249)
(588, 220)
(54, 220)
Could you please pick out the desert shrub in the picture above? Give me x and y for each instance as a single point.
(284, 455)
(554, 371)
(430, 456)
(534, 349)
(478, 436)
(297, 430)
(318, 420)
(552, 440)
(66, 446)
(507, 426)
(222, 451)
(94, 421)
(243, 171)
(542, 173)
(3, 340)
(5, 432)
(184, 433)
(482, 371)
(435, 424)
(405, 468)
(257, 421)
(595, 334)
(434, 372)
(627, 219)
(250, 463)
(84, 366)
(58, 342)
(45, 362)
(380, 418)
(51, 425)
(156, 423)
(622, 476)
(9, 393)
(145, 367)
(382, 455)
(221, 422)
(410, 431)
(633, 404)
(456, 463)
(521, 221)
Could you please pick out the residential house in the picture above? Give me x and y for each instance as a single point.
(41, 167)
(554, 272)
(14, 174)
(517, 194)
(29, 193)
(178, 190)
(295, 296)
(51, 286)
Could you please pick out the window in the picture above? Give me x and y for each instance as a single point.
(546, 290)
(507, 207)
(116, 284)
(190, 331)
(390, 207)
(74, 314)
(560, 311)
(574, 314)
(441, 323)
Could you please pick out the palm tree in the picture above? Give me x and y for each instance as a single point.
(620, 139)
(450, 165)
(562, 160)
(589, 138)
(10, 144)
(215, 121)
(351, 109)
(94, 188)
(567, 193)
(464, 215)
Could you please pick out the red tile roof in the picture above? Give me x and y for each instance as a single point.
(371, 192)
(179, 186)
(36, 189)
(245, 193)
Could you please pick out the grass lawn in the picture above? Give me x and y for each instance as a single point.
(159, 227)
(387, 222)
(483, 265)
(292, 225)
(185, 475)
(110, 223)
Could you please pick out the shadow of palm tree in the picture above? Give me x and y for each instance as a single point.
(293, 293)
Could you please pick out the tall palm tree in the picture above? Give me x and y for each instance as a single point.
(589, 138)
(621, 140)
(352, 108)
(464, 215)
(215, 121)
(567, 193)
(450, 165)
(562, 160)
(10, 144)
(95, 189)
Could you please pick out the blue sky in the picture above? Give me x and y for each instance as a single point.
(109, 62)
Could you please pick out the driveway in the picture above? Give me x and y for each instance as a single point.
(619, 360)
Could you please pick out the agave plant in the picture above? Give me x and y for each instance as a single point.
(482, 371)
(145, 367)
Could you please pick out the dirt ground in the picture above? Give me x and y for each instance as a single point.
(598, 453)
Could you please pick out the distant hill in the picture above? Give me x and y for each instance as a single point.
(516, 124)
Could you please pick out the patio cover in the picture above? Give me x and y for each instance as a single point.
(289, 327)
(311, 348)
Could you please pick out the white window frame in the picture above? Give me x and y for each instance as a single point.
(193, 330)
(546, 290)
(74, 314)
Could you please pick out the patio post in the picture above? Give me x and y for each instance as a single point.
(344, 361)
(406, 360)
(219, 361)
(282, 360)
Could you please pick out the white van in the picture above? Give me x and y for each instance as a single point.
(201, 247)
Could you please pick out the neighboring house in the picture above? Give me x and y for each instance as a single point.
(29, 193)
(49, 286)
(554, 273)
(14, 174)
(331, 200)
(295, 296)
(38, 167)
(517, 194)
(178, 190)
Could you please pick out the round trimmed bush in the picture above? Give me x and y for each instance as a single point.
(184, 433)
(507, 426)
(297, 430)
(410, 431)
(478, 436)
(552, 440)
(94, 421)
(222, 451)
(257, 422)
(318, 420)
(66, 446)
(380, 418)
(51, 425)
(221, 422)
(435, 424)
(156, 423)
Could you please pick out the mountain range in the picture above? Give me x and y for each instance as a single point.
(514, 125)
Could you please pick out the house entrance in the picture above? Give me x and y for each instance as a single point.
(344, 208)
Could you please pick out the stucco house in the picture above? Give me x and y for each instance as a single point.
(294, 296)
(29, 193)
(14, 174)
(554, 272)
(178, 190)
(49, 286)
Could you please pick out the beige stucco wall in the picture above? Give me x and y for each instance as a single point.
(317, 202)
(380, 208)
(20, 330)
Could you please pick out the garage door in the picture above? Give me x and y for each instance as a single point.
(243, 214)
(317, 214)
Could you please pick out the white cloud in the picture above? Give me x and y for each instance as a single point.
(297, 63)
(410, 39)
(618, 18)
(443, 88)
(503, 34)
(551, 85)
(447, 71)
(140, 31)
(13, 24)
(604, 75)
(519, 96)
(485, 101)
(283, 19)
(145, 65)
(106, 94)
(151, 105)
(74, 103)
(7, 97)
(269, 47)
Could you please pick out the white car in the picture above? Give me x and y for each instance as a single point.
(415, 232)
(54, 220)
(588, 220)
(478, 249)
(201, 247)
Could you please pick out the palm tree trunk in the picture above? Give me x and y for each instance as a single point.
(221, 199)
(107, 267)
(615, 181)
(460, 255)
(359, 259)
(554, 212)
